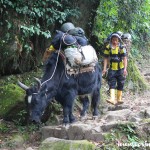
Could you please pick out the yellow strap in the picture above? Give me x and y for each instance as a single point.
(51, 48)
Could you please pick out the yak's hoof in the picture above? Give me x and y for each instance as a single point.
(95, 118)
(83, 117)
(83, 113)
(72, 120)
(66, 125)
(65, 120)
(96, 113)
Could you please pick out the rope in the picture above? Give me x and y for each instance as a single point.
(63, 37)
(54, 68)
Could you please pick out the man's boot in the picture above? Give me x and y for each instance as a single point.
(112, 97)
(119, 97)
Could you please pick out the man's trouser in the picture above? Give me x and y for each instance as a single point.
(116, 79)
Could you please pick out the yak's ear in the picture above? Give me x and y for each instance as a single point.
(38, 81)
(23, 86)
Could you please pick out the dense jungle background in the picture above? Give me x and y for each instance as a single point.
(26, 30)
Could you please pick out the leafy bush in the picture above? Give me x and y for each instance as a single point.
(25, 27)
(37, 15)
(126, 16)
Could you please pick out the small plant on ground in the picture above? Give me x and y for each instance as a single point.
(124, 137)
(4, 128)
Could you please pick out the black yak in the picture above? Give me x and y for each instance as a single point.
(65, 88)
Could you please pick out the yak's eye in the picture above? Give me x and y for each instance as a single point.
(29, 99)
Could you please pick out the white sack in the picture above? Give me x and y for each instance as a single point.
(76, 58)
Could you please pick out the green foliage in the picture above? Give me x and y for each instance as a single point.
(25, 27)
(32, 128)
(8, 144)
(106, 18)
(135, 76)
(127, 16)
(124, 133)
(21, 116)
(4, 128)
(37, 15)
(129, 131)
(27, 129)
(22, 134)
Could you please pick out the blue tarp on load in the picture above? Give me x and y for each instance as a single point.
(63, 39)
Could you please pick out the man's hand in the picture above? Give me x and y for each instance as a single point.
(104, 72)
(125, 73)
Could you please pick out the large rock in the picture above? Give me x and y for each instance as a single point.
(118, 115)
(113, 125)
(11, 101)
(108, 126)
(61, 144)
(54, 131)
(77, 131)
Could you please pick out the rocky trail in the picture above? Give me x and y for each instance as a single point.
(135, 109)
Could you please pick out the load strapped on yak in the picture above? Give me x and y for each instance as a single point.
(126, 40)
(71, 41)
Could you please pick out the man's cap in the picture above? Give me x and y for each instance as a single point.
(115, 35)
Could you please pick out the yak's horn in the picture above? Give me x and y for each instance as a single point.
(38, 81)
(23, 86)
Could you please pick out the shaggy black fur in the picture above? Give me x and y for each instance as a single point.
(65, 89)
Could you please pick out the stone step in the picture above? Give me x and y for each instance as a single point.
(73, 132)
(80, 131)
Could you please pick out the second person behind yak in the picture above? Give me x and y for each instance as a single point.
(115, 57)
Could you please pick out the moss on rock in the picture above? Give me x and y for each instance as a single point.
(12, 105)
(139, 83)
(60, 144)
(10, 95)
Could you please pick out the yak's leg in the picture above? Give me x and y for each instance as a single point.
(71, 116)
(62, 101)
(68, 109)
(85, 104)
(95, 101)
(65, 115)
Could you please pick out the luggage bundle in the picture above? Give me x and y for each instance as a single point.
(73, 42)
(81, 56)
(62, 40)
(127, 41)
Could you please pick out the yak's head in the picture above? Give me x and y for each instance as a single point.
(39, 96)
(33, 102)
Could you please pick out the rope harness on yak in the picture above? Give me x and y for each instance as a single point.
(71, 70)
(63, 37)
